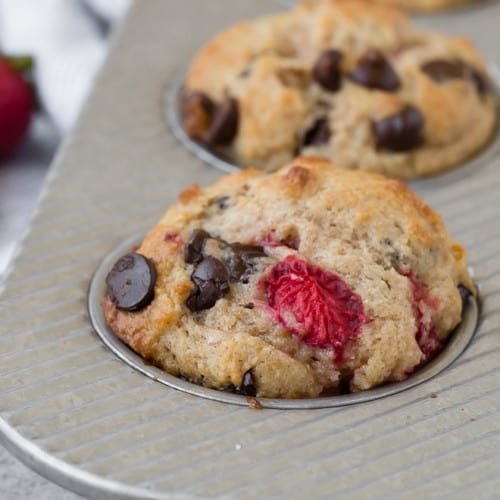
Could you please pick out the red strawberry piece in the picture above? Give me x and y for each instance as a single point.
(314, 304)
(428, 341)
(16, 107)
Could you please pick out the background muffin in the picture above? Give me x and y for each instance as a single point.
(427, 5)
(346, 79)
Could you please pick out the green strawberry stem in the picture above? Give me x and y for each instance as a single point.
(24, 65)
(21, 64)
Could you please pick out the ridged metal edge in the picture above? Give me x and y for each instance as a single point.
(70, 477)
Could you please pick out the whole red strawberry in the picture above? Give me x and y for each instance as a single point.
(16, 104)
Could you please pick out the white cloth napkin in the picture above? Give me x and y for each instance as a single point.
(68, 43)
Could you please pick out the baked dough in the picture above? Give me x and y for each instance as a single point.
(350, 80)
(312, 280)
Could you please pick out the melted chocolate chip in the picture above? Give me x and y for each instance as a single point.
(245, 72)
(250, 305)
(441, 70)
(480, 81)
(200, 99)
(224, 125)
(318, 134)
(247, 386)
(400, 132)
(326, 70)
(375, 72)
(230, 388)
(249, 251)
(211, 281)
(241, 261)
(237, 268)
(465, 293)
(131, 282)
(221, 202)
(197, 112)
(193, 252)
(345, 384)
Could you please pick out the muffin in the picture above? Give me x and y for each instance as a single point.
(309, 281)
(427, 5)
(350, 80)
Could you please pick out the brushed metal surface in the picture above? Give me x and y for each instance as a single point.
(77, 414)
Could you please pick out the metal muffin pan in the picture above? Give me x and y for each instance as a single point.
(73, 411)
(457, 343)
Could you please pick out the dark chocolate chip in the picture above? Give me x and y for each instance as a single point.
(211, 281)
(237, 268)
(344, 385)
(375, 72)
(210, 269)
(326, 70)
(249, 251)
(197, 113)
(400, 132)
(247, 386)
(224, 125)
(345, 380)
(193, 252)
(245, 72)
(241, 261)
(131, 282)
(465, 293)
(230, 388)
(201, 99)
(221, 202)
(442, 70)
(318, 134)
(250, 305)
(480, 81)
